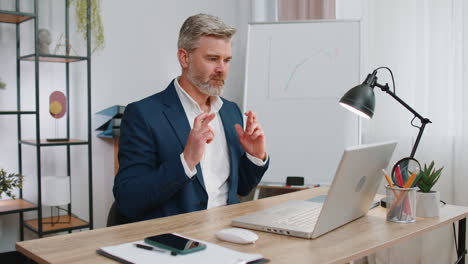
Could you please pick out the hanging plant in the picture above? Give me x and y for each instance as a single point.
(97, 29)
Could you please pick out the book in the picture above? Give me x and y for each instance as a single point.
(108, 121)
(110, 133)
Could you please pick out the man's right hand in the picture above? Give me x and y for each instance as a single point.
(200, 135)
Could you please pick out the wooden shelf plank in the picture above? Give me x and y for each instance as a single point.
(44, 142)
(53, 58)
(75, 223)
(15, 206)
(14, 17)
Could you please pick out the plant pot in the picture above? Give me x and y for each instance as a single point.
(428, 204)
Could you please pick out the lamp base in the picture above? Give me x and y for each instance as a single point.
(58, 217)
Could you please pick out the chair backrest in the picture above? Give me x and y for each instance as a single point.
(115, 217)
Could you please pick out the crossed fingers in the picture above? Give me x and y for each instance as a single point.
(253, 128)
(202, 129)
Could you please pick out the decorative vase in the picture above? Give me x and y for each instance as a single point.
(44, 41)
(428, 204)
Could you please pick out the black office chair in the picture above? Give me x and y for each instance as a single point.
(115, 217)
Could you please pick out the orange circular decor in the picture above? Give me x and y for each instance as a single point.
(57, 104)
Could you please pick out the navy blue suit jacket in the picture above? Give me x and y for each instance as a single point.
(151, 181)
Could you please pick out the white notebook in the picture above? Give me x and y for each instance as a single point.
(129, 253)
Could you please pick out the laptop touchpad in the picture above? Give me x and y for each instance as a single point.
(318, 199)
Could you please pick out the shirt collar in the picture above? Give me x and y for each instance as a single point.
(187, 100)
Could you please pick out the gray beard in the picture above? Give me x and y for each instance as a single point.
(210, 90)
(205, 87)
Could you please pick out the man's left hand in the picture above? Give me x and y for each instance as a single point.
(252, 138)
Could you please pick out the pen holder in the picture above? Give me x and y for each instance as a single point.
(401, 204)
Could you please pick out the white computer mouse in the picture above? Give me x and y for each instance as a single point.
(237, 235)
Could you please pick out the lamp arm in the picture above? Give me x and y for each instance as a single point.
(416, 143)
(423, 120)
(386, 89)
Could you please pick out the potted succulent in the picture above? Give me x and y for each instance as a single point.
(9, 181)
(428, 204)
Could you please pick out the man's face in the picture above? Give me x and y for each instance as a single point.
(209, 65)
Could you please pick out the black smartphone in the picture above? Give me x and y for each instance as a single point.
(175, 243)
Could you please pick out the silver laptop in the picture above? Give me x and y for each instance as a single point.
(354, 186)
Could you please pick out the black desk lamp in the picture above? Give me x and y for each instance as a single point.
(361, 100)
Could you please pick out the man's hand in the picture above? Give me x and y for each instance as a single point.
(200, 135)
(253, 138)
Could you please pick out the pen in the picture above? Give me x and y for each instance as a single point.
(154, 249)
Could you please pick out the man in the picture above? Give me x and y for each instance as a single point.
(184, 149)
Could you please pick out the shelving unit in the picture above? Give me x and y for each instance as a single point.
(40, 225)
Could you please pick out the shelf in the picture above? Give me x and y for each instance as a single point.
(46, 143)
(75, 223)
(15, 206)
(17, 112)
(53, 58)
(14, 17)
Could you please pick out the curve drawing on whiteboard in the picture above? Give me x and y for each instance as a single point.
(329, 54)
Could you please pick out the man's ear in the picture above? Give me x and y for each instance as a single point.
(183, 57)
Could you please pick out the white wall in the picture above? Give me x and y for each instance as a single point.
(139, 59)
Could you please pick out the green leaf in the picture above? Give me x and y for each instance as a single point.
(428, 177)
(8, 181)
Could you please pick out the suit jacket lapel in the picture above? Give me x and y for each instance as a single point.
(176, 116)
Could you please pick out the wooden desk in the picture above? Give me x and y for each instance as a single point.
(267, 189)
(355, 240)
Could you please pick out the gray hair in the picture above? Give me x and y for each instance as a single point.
(200, 25)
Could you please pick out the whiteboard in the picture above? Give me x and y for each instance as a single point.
(296, 72)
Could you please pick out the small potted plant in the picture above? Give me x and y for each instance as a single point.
(428, 204)
(9, 181)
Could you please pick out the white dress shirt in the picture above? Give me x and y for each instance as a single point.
(215, 161)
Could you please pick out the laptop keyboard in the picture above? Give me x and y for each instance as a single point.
(302, 219)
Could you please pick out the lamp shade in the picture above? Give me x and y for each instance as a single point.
(360, 100)
(55, 190)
